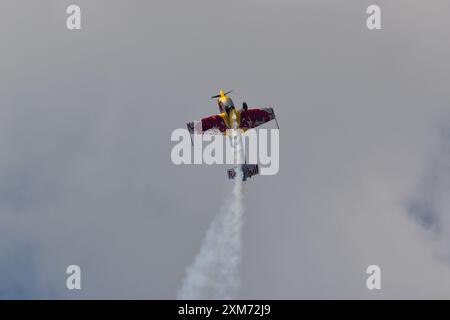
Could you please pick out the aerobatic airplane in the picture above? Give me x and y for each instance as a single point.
(231, 118)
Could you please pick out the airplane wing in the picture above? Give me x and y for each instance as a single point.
(252, 118)
(213, 124)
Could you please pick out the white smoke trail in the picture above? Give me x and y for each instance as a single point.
(214, 274)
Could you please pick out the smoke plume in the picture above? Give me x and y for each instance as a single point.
(214, 274)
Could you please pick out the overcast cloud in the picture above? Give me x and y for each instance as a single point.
(85, 124)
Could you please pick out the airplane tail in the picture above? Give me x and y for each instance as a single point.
(248, 171)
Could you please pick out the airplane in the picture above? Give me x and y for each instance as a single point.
(232, 118)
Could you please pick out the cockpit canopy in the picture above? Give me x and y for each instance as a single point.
(225, 104)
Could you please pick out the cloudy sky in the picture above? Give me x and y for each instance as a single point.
(85, 124)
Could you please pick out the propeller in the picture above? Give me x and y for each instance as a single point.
(221, 94)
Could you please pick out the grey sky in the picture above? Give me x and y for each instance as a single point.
(85, 124)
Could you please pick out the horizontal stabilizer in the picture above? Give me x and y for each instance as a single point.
(248, 170)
